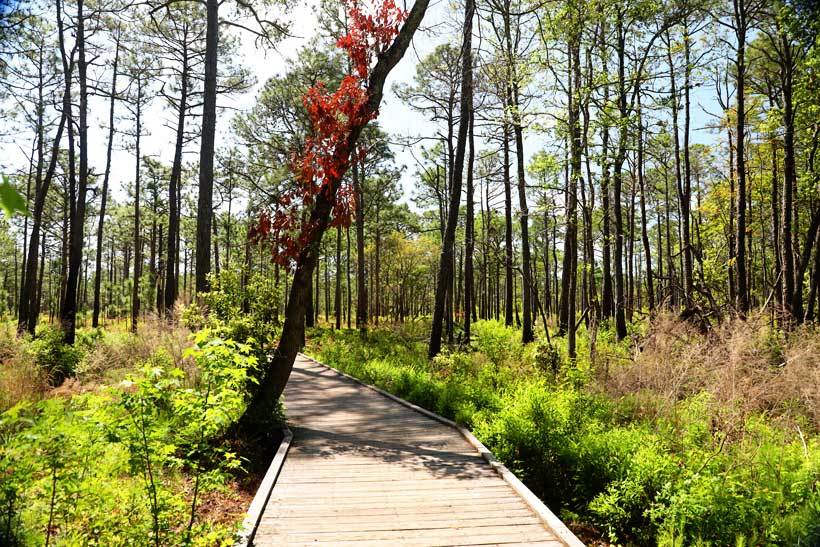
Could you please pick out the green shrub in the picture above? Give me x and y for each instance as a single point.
(56, 358)
(498, 342)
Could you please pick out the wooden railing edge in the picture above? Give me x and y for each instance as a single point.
(263, 493)
(544, 513)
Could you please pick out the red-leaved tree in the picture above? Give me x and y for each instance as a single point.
(377, 38)
(326, 157)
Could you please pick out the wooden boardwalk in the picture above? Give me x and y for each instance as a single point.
(364, 469)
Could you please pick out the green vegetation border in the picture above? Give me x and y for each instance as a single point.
(541, 510)
(260, 500)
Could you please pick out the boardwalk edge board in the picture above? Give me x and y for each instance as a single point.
(534, 502)
(263, 493)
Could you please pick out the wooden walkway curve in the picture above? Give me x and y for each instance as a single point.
(365, 469)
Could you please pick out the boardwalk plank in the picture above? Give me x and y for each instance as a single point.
(365, 470)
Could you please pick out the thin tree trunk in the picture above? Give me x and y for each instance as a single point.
(686, 194)
(508, 246)
(77, 192)
(135, 289)
(607, 298)
(95, 320)
(650, 284)
(620, 316)
(740, 239)
(568, 275)
(469, 235)
(447, 249)
(172, 256)
(338, 296)
(29, 296)
(347, 272)
(361, 273)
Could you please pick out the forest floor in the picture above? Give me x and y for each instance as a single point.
(669, 437)
(120, 451)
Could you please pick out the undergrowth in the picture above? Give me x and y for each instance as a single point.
(580, 436)
(124, 439)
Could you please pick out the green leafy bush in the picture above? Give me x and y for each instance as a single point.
(223, 310)
(57, 359)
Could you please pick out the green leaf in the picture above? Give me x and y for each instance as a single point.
(10, 200)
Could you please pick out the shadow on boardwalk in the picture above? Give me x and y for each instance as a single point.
(366, 470)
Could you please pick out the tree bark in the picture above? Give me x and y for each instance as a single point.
(508, 246)
(740, 21)
(792, 285)
(686, 194)
(620, 316)
(607, 298)
(469, 235)
(569, 279)
(650, 284)
(135, 288)
(172, 249)
(204, 212)
(77, 192)
(338, 293)
(361, 272)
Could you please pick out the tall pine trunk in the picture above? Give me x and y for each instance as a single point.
(95, 320)
(204, 211)
(77, 192)
(135, 287)
(741, 283)
(469, 235)
(172, 248)
(445, 269)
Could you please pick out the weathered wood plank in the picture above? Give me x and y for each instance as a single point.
(364, 469)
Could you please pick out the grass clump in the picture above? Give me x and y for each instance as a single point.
(612, 442)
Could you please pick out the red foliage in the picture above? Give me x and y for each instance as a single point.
(334, 115)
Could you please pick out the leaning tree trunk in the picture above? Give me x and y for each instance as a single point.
(265, 396)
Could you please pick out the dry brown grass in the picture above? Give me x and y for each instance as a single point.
(20, 378)
(108, 360)
(745, 365)
(116, 355)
